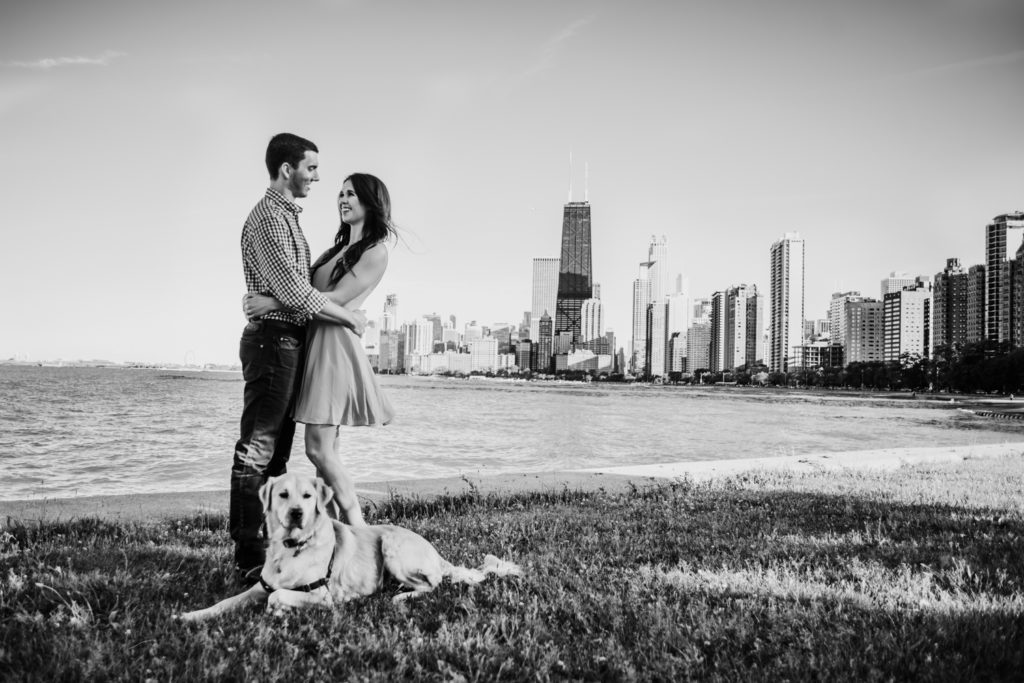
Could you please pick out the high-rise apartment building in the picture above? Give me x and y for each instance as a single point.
(657, 335)
(895, 282)
(592, 325)
(390, 320)
(574, 274)
(863, 341)
(836, 318)
(420, 338)
(471, 332)
(1002, 238)
(435, 320)
(737, 318)
(958, 303)
(716, 341)
(641, 300)
(787, 300)
(525, 358)
(1011, 301)
(389, 356)
(660, 275)
(545, 343)
(698, 346)
(975, 304)
(545, 292)
(484, 354)
(701, 310)
(906, 321)
(679, 312)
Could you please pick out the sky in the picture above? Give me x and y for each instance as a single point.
(888, 133)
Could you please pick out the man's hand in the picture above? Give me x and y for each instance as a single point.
(256, 305)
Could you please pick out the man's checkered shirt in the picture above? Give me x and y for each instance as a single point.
(275, 258)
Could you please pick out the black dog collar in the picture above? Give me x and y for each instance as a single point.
(309, 587)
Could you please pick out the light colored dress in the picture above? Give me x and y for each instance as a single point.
(338, 385)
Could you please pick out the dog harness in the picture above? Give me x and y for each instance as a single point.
(307, 588)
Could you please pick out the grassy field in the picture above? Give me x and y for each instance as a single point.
(913, 574)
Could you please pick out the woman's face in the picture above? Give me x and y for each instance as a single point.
(352, 211)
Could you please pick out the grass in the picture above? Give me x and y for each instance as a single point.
(913, 574)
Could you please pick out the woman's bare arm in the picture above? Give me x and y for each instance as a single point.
(363, 276)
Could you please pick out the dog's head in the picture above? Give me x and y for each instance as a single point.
(295, 503)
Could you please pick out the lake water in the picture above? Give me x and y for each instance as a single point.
(93, 431)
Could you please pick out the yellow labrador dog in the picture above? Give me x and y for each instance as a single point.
(315, 560)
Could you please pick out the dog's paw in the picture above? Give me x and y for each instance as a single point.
(276, 605)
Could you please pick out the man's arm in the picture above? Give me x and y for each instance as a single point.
(289, 286)
(332, 312)
(257, 305)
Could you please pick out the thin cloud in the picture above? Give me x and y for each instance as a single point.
(956, 67)
(55, 62)
(548, 54)
(554, 45)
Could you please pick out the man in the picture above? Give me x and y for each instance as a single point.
(275, 260)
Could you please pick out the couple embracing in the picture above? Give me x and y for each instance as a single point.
(301, 356)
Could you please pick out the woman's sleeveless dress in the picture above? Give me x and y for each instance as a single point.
(338, 385)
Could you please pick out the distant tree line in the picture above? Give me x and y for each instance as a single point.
(986, 367)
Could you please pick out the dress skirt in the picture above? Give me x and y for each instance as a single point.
(338, 385)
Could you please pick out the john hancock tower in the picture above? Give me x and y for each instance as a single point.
(574, 283)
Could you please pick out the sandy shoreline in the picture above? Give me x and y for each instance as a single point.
(154, 506)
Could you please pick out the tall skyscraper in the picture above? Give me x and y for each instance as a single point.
(716, 342)
(641, 300)
(658, 354)
(1002, 238)
(787, 300)
(545, 292)
(679, 313)
(975, 304)
(660, 275)
(420, 338)
(836, 318)
(698, 346)
(592, 325)
(435, 320)
(957, 299)
(906, 321)
(864, 333)
(737, 318)
(701, 310)
(545, 343)
(657, 338)
(574, 274)
(390, 313)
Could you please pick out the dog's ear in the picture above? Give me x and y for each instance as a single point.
(267, 492)
(324, 495)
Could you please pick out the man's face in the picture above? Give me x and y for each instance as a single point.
(304, 175)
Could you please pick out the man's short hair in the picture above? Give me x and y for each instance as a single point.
(287, 148)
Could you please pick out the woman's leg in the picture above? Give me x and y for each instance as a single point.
(320, 449)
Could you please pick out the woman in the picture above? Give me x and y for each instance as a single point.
(338, 384)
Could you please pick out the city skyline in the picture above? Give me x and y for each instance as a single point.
(137, 133)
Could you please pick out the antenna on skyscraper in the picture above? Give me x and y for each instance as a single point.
(586, 182)
(570, 175)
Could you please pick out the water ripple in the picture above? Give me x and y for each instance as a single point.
(92, 431)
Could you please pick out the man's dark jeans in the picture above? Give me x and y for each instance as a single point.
(272, 354)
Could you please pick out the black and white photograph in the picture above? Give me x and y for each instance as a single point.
(512, 341)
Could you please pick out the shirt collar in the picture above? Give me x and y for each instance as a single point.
(279, 199)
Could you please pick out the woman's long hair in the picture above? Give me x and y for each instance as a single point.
(377, 226)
